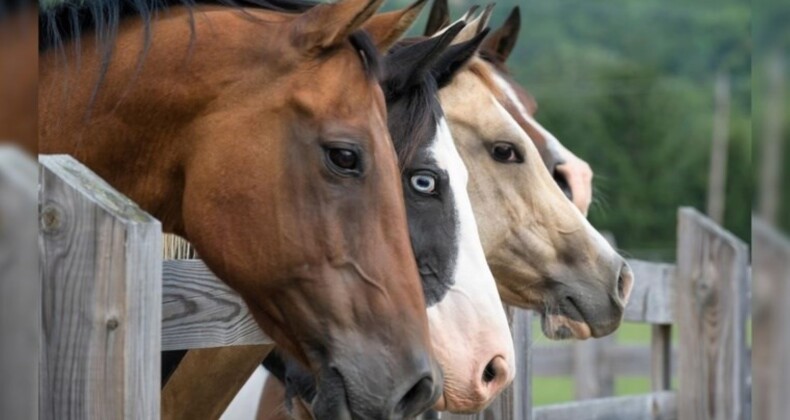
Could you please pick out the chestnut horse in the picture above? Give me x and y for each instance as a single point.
(468, 326)
(261, 137)
(543, 252)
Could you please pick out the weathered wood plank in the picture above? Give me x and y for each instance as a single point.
(522, 384)
(652, 299)
(771, 332)
(622, 359)
(101, 275)
(200, 311)
(711, 292)
(656, 406)
(593, 377)
(661, 357)
(20, 289)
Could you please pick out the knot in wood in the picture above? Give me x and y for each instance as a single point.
(51, 219)
(112, 323)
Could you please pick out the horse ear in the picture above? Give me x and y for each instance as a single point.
(466, 19)
(439, 17)
(455, 58)
(327, 25)
(474, 26)
(500, 43)
(409, 65)
(386, 28)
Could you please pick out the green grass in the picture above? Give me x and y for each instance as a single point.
(551, 390)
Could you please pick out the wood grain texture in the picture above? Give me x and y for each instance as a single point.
(20, 289)
(592, 369)
(100, 259)
(652, 298)
(621, 359)
(200, 311)
(522, 384)
(656, 406)
(661, 360)
(771, 330)
(207, 380)
(711, 288)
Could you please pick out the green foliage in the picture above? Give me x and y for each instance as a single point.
(628, 86)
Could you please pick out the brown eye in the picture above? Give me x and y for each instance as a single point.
(343, 161)
(343, 158)
(506, 153)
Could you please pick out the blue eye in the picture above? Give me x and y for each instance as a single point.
(423, 183)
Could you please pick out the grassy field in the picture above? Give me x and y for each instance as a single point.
(548, 390)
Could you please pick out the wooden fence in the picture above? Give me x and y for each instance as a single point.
(110, 305)
(705, 296)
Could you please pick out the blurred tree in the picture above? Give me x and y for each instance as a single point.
(628, 86)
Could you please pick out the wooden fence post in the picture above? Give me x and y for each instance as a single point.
(771, 332)
(711, 290)
(772, 142)
(592, 373)
(101, 271)
(20, 290)
(717, 177)
(522, 384)
(661, 357)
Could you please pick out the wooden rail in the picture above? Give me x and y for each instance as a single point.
(656, 406)
(200, 311)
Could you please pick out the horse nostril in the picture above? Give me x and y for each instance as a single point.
(489, 373)
(416, 398)
(625, 281)
(559, 178)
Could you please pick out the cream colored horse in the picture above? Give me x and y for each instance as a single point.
(543, 252)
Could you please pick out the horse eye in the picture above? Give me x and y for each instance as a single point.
(505, 153)
(345, 161)
(423, 183)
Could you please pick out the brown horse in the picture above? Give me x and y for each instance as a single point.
(468, 326)
(271, 154)
(544, 254)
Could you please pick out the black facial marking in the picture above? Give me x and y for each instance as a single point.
(433, 221)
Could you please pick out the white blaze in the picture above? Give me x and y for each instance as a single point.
(471, 313)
